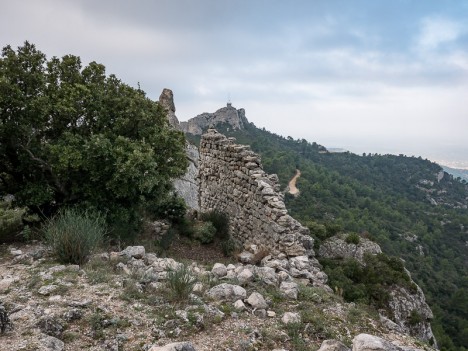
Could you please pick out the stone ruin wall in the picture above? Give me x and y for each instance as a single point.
(232, 181)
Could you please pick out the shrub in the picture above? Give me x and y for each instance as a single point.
(228, 246)
(220, 221)
(414, 318)
(180, 282)
(11, 221)
(205, 232)
(353, 238)
(74, 234)
(166, 240)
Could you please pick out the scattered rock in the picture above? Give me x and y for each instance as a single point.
(123, 268)
(72, 314)
(227, 292)
(271, 314)
(291, 317)
(333, 345)
(51, 325)
(246, 257)
(256, 300)
(6, 283)
(134, 251)
(366, 342)
(239, 305)
(267, 275)
(16, 252)
(261, 313)
(50, 343)
(245, 276)
(47, 289)
(176, 346)
(219, 270)
(289, 289)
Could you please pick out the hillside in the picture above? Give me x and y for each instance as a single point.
(456, 172)
(408, 205)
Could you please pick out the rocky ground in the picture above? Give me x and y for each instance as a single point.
(135, 300)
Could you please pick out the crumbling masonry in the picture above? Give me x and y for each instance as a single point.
(232, 181)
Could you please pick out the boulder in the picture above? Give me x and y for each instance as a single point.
(366, 342)
(257, 301)
(333, 345)
(134, 251)
(50, 343)
(239, 305)
(291, 317)
(219, 270)
(289, 289)
(227, 292)
(245, 276)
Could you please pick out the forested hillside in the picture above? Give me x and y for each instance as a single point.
(407, 204)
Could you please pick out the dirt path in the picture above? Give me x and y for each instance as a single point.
(292, 183)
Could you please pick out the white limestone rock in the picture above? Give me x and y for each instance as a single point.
(291, 317)
(134, 251)
(256, 300)
(289, 289)
(333, 345)
(366, 342)
(219, 270)
(226, 292)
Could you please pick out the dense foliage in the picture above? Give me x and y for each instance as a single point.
(398, 200)
(72, 136)
(368, 283)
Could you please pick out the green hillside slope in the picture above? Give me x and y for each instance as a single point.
(400, 201)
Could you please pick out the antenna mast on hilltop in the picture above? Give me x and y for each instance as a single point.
(229, 104)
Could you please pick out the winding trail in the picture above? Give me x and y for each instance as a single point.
(293, 190)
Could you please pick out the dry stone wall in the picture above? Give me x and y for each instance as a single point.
(232, 181)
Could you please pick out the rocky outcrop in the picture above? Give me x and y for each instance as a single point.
(166, 100)
(228, 115)
(187, 185)
(337, 248)
(232, 181)
(408, 310)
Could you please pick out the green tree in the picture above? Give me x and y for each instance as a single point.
(72, 136)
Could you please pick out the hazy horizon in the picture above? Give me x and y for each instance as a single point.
(367, 76)
(448, 155)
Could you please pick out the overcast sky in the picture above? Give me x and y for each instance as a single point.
(385, 76)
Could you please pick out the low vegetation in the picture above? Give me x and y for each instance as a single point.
(73, 235)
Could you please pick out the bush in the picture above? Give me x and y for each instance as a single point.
(228, 246)
(180, 282)
(353, 238)
(166, 240)
(11, 221)
(415, 318)
(205, 232)
(74, 234)
(220, 221)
